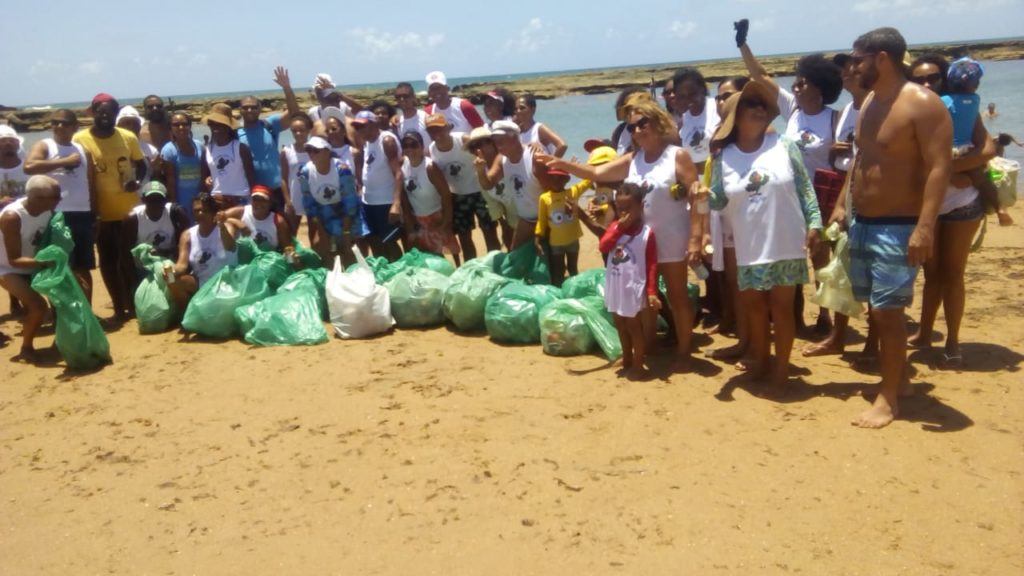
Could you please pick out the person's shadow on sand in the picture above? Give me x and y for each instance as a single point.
(921, 407)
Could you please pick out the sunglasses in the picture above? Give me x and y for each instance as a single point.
(933, 78)
(638, 125)
(858, 58)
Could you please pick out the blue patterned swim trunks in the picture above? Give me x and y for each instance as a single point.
(879, 271)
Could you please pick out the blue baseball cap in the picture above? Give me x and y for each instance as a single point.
(965, 72)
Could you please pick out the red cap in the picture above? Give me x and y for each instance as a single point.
(261, 190)
(101, 98)
(592, 143)
(557, 172)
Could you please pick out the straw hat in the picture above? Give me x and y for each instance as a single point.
(751, 90)
(221, 114)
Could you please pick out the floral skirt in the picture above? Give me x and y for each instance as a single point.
(432, 236)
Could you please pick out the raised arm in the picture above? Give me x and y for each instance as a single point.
(282, 80)
(615, 171)
(756, 70)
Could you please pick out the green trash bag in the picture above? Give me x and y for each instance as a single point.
(273, 264)
(307, 258)
(512, 313)
(416, 259)
(306, 279)
(487, 262)
(466, 297)
(524, 264)
(154, 307)
(79, 336)
(382, 269)
(57, 233)
(417, 297)
(572, 326)
(586, 283)
(692, 292)
(210, 313)
(289, 319)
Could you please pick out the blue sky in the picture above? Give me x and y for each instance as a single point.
(69, 51)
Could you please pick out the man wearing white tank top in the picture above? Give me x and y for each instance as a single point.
(22, 224)
(69, 164)
(156, 222)
(410, 117)
(461, 114)
(382, 185)
(513, 168)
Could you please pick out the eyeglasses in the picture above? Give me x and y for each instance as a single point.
(933, 78)
(640, 124)
(858, 58)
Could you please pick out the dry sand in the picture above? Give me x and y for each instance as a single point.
(429, 452)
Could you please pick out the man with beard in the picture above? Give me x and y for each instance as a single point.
(157, 127)
(262, 137)
(900, 178)
(119, 167)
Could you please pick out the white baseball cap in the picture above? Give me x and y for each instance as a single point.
(505, 128)
(436, 77)
(129, 112)
(317, 142)
(7, 131)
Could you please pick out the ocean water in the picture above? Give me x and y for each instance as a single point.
(577, 118)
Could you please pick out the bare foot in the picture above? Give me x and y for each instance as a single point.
(879, 415)
(728, 353)
(920, 341)
(27, 356)
(681, 364)
(1004, 218)
(744, 364)
(827, 347)
(638, 373)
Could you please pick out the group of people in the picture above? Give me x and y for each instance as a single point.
(700, 182)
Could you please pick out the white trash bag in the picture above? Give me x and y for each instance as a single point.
(359, 306)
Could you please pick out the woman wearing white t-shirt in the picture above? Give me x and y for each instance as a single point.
(533, 132)
(811, 126)
(759, 182)
(666, 173)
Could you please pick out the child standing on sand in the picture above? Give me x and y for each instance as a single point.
(557, 223)
(631, 276)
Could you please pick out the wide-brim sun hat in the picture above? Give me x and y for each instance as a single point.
(751, 90)
(221, 114)
(7, 131)
(332, 112)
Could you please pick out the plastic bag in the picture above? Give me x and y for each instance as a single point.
(571, 326)
(309, 279)
(154, 307)
(359, 307)
(288, 319)
(79, 336)
(835, 291)
(210, 313)
(273, 264)
(586, 283)
(1003, 173)
(425, 260)
(524, 264)
(307, 258)
(58, 234)
(513, 312)
(466, 297)
(417, 297)
(381, 268)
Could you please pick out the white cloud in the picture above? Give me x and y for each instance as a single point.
(682, 30)
(92, 67)
(529, 39)
(378, 43)
(46, 68)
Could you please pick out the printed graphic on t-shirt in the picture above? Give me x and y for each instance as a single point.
(559, 217)
(261, 238)
(222, 163)
(327, 192)
(517, 184)
(205, 257)
(454, 169)
(808, 139)
(696, 140)
(37, 238)
(158, 239)
(499, 189)
(370, 159)
(755, 182)
(411, 185)
(621, 254)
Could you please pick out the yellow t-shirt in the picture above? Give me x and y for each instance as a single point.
(114, 160)
(554, 221)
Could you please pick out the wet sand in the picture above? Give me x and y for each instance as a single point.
(430, 452)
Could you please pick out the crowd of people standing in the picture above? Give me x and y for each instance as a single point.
(699, 182)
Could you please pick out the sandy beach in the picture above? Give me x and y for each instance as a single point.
(431, 452)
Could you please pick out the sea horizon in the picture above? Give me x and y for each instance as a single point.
(420, 86)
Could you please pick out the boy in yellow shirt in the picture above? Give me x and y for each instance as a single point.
(557, 224)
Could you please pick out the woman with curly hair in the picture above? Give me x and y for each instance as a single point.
(811, 125)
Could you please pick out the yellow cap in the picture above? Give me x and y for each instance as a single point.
(602, 155)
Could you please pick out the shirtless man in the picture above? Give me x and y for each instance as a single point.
(899, 181)
(157, 128)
